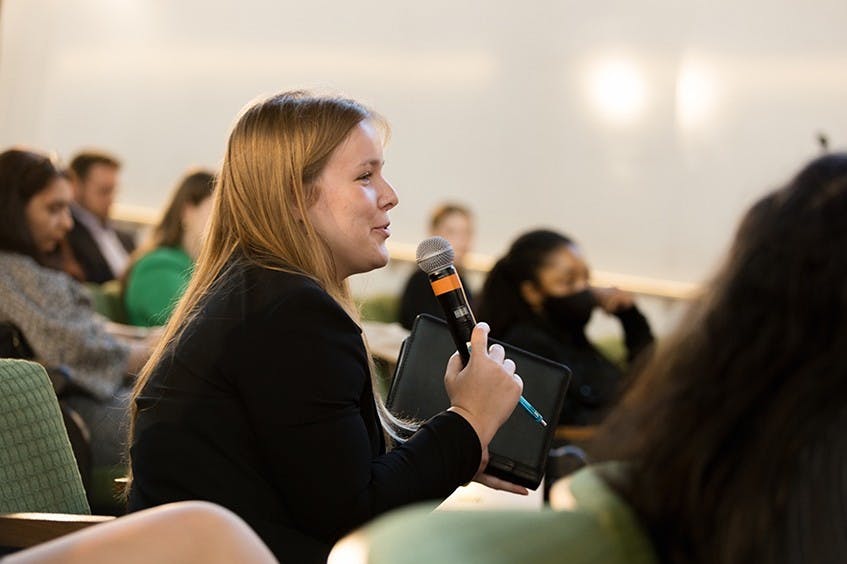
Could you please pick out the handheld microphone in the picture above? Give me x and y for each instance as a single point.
(435, 257)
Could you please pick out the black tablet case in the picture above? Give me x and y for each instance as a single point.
(518, 451)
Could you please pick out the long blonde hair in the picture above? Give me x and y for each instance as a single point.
(277, 150)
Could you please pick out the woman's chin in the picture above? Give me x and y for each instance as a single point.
(379, 263)
(376, 263)
(380, 260)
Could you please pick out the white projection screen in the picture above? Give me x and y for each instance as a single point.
(642, 129)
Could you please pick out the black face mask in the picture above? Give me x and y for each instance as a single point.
(572, 312)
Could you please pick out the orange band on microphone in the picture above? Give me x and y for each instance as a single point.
(446, 284)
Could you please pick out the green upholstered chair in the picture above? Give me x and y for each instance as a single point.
(381, 307)
(599, 528)
(38, 472)
(614, 349)
(108, 301)
(97, 480)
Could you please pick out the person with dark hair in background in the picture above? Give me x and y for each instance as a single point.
(261, 395)
(454, 222)
(101, 250)
(53, 311)
(538, 297)
(729, 446)
(159, 272)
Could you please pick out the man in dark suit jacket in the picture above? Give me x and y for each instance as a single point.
(455, 223)
(101, 251)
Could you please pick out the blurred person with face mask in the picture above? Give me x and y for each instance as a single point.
(538, 297)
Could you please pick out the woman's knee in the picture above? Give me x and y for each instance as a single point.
(206, 518)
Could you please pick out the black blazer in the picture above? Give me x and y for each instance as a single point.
(264, 406)
(88, 254)
(418, 298)
(595, 381)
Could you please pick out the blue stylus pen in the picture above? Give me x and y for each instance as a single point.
(531, 410)
(522, 401)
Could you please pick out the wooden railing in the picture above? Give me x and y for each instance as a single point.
(654, 287)
(668, 289)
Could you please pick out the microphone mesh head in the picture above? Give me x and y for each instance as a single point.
(434, 253)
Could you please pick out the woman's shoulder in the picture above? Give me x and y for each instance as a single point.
(17, 263)
(268, 293)
(23, 272)
(164, 257)
(281, 284)
(292, 292)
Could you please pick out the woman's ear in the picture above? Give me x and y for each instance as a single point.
(531, 294)
(299, 208)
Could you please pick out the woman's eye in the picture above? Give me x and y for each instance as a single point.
(365, 177)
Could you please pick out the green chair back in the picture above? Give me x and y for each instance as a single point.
(38, 472)
(601, 528)
(381, 307)
(108, 300)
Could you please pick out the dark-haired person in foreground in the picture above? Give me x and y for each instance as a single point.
(730, 447)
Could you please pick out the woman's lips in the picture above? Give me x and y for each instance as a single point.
(384, 229)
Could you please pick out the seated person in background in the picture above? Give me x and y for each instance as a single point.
(538, 298)
(730, 443)
(101, 250)
(156, 279)
(54, 311)
(455, 223)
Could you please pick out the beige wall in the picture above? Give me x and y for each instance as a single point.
(641, 128)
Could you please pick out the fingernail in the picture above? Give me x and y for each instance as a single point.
(483, 325)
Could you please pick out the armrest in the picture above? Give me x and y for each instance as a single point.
(575, 434)
(21, 530)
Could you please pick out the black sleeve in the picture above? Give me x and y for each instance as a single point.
(418, 298)
(536, 341)
(305, 389)
(637, 333)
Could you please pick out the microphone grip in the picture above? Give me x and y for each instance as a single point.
(460, 319)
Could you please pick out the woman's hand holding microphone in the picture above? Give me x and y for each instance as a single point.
(485, 393)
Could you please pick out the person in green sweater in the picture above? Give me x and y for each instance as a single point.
(161, 269)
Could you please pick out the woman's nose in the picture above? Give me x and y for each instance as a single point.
(67, 220)
(388, 197)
